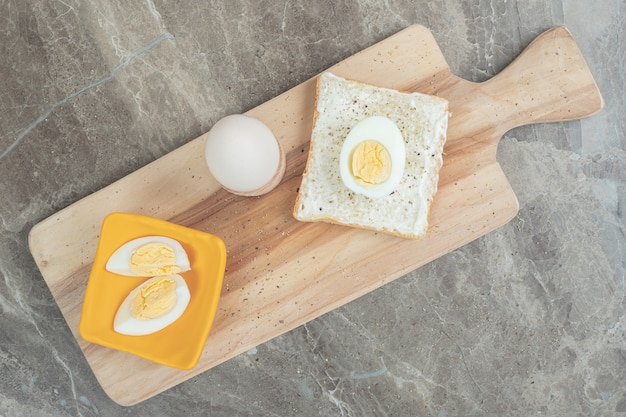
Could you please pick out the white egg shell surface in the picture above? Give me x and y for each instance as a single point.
(242, 153)
(119, 261)
(384, 131)
(125, 323)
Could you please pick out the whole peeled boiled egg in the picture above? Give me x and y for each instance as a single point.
(149, 256)
(373, 157)
(152, 306)
(244, 156)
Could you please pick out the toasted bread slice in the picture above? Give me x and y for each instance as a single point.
(339, 105)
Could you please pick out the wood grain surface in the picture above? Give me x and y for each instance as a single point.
(282, 273)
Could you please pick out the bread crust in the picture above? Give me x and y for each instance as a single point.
(311, 144)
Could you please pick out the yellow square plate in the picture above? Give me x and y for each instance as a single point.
(180, 344)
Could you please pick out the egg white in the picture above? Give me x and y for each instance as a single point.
(125, 323)
(119, 261)
(384, 131)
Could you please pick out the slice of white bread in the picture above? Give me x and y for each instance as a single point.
(339, 105)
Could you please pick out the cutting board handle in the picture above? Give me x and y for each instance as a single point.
(549, 81)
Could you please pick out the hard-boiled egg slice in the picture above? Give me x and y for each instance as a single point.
(152, 306)
(372, 157)
(149, 256)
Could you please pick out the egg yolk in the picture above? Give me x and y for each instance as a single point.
(154, 259)
(154, 299)
(371, 162)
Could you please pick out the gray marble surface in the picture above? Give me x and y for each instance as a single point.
(527, 321)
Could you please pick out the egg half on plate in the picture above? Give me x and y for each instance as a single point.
(152, 306)
(149, 256)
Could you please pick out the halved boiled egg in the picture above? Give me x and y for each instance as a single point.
(149, 256)
(152, 306)
(373, 157)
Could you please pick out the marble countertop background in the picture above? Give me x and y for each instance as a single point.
(528, 320)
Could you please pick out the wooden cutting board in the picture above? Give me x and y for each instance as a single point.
(282, 273)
